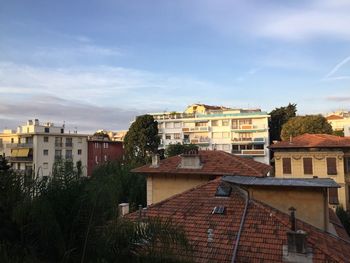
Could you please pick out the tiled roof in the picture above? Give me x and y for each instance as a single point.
(313, 141)
(213, 163)
(334, 117)
(263, 234)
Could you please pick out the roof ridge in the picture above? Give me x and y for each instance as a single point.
(240, 159)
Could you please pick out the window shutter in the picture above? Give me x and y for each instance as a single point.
(287, 166)
(307, 165)
(331, 166)
(333, 196)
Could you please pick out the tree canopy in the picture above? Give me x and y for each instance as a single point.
(141, 140)
(176, 149)
(305, 124)
(280, 116)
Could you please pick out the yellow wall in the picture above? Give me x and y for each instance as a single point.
(310, 204)
(199, 109)
(319, 165)
(160, 187)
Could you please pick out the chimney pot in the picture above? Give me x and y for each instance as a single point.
(155, 160)
(123, 209)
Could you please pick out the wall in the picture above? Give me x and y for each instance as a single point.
(319, 164)
(160, 186)
(311, 204)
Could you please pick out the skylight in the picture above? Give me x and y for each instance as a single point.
(218, 210)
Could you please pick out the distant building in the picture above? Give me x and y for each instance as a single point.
(347, 130)
(320, 155)
(243, 132)
(339, 120)
(102, 149)
(34, 147)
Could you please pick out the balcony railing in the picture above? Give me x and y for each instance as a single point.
(253, 152)
(257, 140)
(196, 129)
(200, 140)
(19, 145)
(247, 127)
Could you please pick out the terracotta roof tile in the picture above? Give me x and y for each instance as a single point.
(213, 163)
(334, 117)
(313, 141)
(263, 234)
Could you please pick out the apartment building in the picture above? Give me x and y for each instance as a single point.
(34, 147)
(243, 132)
(339, 120)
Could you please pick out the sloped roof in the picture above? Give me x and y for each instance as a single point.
(263, 234)
(313, 141)
(334, 117)
(213, 163)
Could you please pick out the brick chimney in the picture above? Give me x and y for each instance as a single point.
(296, 249)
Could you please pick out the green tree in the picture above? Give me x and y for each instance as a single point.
(305, 124)
(280, 116)
(176, 149)
(339, 133)
(141, 140)
(344, 218)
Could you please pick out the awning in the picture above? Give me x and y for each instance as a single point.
(14, 153)
(23, 152)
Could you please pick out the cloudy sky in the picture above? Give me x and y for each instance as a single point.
(97, 63)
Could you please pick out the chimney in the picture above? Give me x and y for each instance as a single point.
(291, 139)
(296, 249)
(191, 160)
(123, 209)
(155, 161)
(210, 236)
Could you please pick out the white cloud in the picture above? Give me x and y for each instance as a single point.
(335, 69)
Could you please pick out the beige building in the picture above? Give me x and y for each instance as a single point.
(34, 147)
(339, 121)
(316, 155)
(243, 132)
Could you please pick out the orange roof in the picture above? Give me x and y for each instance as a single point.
(263, 234)
(213, 163)
(334, 117)
(313, 141)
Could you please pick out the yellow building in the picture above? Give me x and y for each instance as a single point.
(338, 122)
(316, 155)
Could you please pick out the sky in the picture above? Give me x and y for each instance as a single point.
(96, 64)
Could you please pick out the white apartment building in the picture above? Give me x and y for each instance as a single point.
(238, 131)
(34, 147)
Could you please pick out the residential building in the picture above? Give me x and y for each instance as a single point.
(34, 147)
(316, 155)
(347, 130)
(339, 120)
(176, 174)
(229, 219)
(101, 149)
(243, 132)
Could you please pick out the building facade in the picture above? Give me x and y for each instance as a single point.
(316, 155)
(238, 131)
(101, 150)
(34, 147)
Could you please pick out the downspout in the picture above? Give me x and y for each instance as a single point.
(246, 194)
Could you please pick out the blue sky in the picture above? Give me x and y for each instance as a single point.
(96, 64)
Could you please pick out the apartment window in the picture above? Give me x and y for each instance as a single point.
(177, 136)
(69, 154)
(69, 142)
(47, 129)
(217, 135)
(46, 139)
(246, 136)
(58, 154)
(225, 135)
(234, 124)
(96, 145)
(235, 148)
(105, 158)
(79, 151)
(225, 122)
(168, 136)
(169, 125)
(58, 141)
(245, 121)
(62, 130)
(45, 166)
(160, 125)
(287, 165)
(307, 162)
(215, 123)
(259, 147)
(201, 124)
(45, 152)
(347, 164)
(96, 159)
(12, 140)
(331, 166)
(177, 124)
(105, 145)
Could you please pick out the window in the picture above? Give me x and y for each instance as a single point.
(246, 136)
(46, 139)
(45, 165)
(45, 152)
(105, 145)
(62, 130)
(47, 130)
(234, 124)
(347, 164)
(177, 124)
(226, 147)
(287, 165)
(58, 154)
(201, 124)
(177, 136)
(79, 151)
(245, 121)
(168, 136)
(58, 141)
(96, 145)
(69, 154)
(225, 135)
(12, 140)
(105, 158)
(331, 166)
(69, 142)
(217, 135)
(215, 123)
(225, 122)
(259, 147)
(96, 159)
(169, 125)
(307, 162)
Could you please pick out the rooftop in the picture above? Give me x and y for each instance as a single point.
(264, 231)
(313, 141)
(212, 163)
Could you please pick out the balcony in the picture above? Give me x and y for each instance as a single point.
(69, 144)
(28, 159)
(200, 140)
(247, 127)
(196, 129)
(19, 145)
(258, 140)
(253, 152)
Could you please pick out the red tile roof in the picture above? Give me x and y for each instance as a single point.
(334, 117)
(313, 141)
(263, 234)
(213, 163)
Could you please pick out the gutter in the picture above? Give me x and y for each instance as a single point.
(246, 194)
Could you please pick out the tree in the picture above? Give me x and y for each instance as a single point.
(141, 140)
(176, 149)
(305, 124)
(4, 166)
(280, 116)
(339, 133)
(344, 218)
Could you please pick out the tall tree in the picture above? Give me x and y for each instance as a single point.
(280, 116)
(305, 124)
(141, 140)
(176, 149)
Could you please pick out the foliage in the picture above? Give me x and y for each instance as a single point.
(68, 218)
(176, 149)
(305, 124)
(344, 218)
(339, 133)
(280, 116)
(4, 166)
(141, 140)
